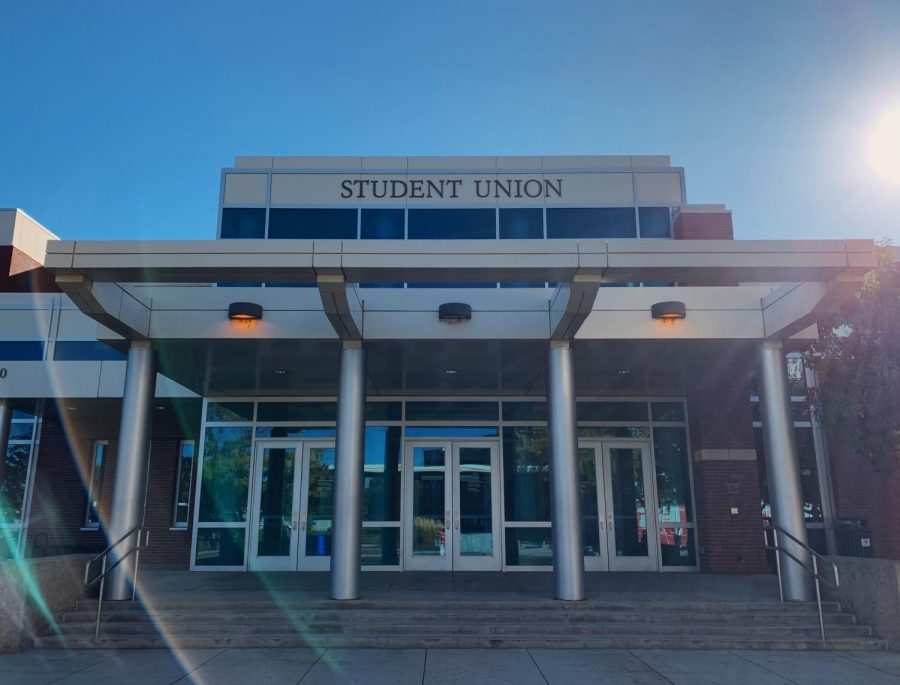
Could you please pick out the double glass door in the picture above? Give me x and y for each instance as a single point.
(617, 504)
(290, 525)
(451, 519)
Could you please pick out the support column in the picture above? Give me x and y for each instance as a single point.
(6, 412)
(346, 526)
(568, 553)
(132, 461)
(782, 468)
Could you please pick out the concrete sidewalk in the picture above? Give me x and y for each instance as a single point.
(471, 667)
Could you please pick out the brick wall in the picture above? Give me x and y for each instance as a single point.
(63, 469)
(19, 273)
(724, 464)
(704, 226)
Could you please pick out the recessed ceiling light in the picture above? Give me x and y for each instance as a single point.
(279, 372)
(451, 372)
(71, 408)
(159, 406)
(624, 372)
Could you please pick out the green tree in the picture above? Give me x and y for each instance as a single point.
(858, 364)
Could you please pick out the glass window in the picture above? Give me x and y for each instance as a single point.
(183, 483)
(452, 411)
(381, 476)
(613, 432)
(611, 411)
(529, 547)
(13, 476)
(654, 222)
(294, 432)
(590, 513)
(380, 546)
(384, 411)
(320, 501)
(521, 223)
(21, 430)
(673, 478)
(226, 475)
(229, 411)
(95, 484)
(452, 431)
(526, 474)
(85, 350)
(239, 222)
(220, 547)
(589, 222)
(296, 411)
(809, 474)
(21, 350)
(677, 546)
(383, 224)
(524, 411)
(336, 224)
(668, 411)
(452, 224)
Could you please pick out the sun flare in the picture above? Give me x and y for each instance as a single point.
(884, 146)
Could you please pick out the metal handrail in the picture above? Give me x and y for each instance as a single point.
(814, 571)
(104, 571)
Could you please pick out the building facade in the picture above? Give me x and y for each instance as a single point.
(473, 363)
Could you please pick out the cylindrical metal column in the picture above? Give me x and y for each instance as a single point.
(6, 412)
(782, 467)
(132, 460)
(568, 553)
(346, 519)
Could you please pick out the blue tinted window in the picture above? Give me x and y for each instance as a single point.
(654, 222)
(239, 285)
(238, 222)
(589, 222)
(21, 350)
(383, 224)
(521, 223)
(85, 350)
(447, 224)
(451, 285)
(338, 224)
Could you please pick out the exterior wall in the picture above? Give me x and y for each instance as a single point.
(19, 273)
(725, 472)
(63, 468)
(709, 225)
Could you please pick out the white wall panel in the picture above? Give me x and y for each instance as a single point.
(245, 189)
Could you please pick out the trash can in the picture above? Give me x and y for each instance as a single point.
(854, 538)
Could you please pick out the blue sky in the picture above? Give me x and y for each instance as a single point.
(116, 117)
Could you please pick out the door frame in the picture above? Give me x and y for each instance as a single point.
(451, 560)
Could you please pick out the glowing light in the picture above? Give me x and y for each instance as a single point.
(884, 147)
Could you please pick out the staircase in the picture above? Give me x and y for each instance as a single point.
(394, 623)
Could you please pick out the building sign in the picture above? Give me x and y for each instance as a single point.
(451, 188)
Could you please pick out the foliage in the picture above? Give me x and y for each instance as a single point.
(858, 363)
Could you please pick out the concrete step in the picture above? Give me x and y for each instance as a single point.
(438, 641)
(506, 629)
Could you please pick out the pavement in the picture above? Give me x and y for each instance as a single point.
(436, 667)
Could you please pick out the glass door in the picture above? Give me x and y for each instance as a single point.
(451, 506)
(315, 506)
(276, 506)
(617, 506)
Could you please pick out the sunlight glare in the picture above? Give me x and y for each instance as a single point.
(884, 147)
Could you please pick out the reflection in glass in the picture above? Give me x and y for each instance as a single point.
(276, 500)
(628, 504)
(220, 547)
(319, 502)
(429, 472)
(13, 475)
(476, 526)
(381, 478)
(529, 547)
(587, 485)
(676, 546)
(673, 480)
(226, 475)
(526, 474)
(381, 546)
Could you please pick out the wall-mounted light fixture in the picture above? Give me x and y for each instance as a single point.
(668, 311)
(454, 312)
(245, 311)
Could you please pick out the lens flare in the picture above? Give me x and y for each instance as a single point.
(884, 147)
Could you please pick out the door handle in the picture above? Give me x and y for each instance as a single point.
(294, 523)
(456, 525)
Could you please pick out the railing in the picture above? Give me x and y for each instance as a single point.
(104, 571)
(814, 571)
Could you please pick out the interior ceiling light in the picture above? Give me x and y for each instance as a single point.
(451, 372)
(454, 312)
(668, 311)
(624, 372)
(245, 311)
(279, 372)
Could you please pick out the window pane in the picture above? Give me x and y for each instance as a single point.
(612, 432)
(654, 222)
(238, 222)
(452, 411)
(673, 479)
(226, 474)
(383, 224)
(809, 476)
(529, 547)
(21, 430)
(384, 411)
(611, 411)
(452, 431)
(447, 224)
(21, 350)
(183, 485)
(313, 223)
(677, 547)
(220, 547)
(95, 491)
(668, 411)
(296, 411)
(587, 482)
(320, 501)
(229, 411)
(12, 483)
(526, 474)
(381, 483)
(85, 350)
(572, 222)
(381, 546)
(294, 432)
(521, 223)
(524, 411)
